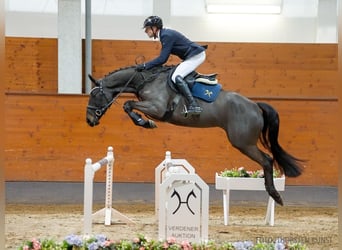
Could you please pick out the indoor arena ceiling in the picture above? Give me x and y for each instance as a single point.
(134, 7)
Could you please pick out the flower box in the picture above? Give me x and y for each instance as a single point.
(247, 183)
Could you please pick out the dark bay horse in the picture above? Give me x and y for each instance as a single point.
(244, 121)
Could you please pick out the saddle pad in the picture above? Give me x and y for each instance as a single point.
(206, 92)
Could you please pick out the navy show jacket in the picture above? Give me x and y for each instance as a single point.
(175, 43)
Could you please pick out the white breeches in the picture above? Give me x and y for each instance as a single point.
(189, 65)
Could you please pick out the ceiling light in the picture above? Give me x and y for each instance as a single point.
(244, 7)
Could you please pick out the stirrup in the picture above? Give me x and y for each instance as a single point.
(192, 111)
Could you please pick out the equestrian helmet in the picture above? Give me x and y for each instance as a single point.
(153, 21)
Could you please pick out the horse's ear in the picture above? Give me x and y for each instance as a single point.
(93, 80)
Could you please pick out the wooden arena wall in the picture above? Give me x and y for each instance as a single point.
(47, 138)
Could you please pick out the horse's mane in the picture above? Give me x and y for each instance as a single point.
(155, 70)
(119, 69)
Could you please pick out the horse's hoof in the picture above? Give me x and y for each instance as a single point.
(152, 124)
(279, 200)
(275, 195)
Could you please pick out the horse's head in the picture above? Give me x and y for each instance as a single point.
(107, 89)
(99, 102)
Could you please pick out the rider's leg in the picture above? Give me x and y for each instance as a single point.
(182, 70)
(193, 107)
(188, 66)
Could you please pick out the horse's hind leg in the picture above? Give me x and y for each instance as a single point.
(243, 131)
(266, 162)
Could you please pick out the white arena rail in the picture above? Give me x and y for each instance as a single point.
(107, 211)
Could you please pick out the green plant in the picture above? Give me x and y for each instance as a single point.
(242, 172)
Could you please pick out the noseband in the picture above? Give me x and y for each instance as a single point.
(99, 111)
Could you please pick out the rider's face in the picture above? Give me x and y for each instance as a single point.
(150, 31)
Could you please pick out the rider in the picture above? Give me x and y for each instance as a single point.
(173, 42)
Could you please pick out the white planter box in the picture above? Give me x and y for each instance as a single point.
(237, 183)
(240, 183)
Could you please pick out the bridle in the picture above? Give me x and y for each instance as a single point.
(99, 111)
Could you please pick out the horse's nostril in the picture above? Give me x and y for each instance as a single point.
(92, 122)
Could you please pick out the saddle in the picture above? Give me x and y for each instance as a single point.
(205, 87)
(207, 79)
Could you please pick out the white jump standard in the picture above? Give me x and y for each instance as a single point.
(107, 212)
(167, 167)
(182, 201)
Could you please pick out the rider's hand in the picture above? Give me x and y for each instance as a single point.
(140, 67)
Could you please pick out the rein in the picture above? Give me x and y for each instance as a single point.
(100, 111)
(123, 89)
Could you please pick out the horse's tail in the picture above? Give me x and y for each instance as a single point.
(289, 164)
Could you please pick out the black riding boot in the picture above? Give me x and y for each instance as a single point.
(193, 108)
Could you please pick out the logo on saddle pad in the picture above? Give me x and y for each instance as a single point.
(206, 92)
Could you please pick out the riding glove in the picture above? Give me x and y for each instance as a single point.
(140, 67)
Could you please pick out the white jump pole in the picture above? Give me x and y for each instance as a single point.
(108, 211)
(89, 173)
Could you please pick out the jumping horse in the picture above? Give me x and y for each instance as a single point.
(244, 121)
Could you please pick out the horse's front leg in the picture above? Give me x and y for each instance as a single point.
(136, 117)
